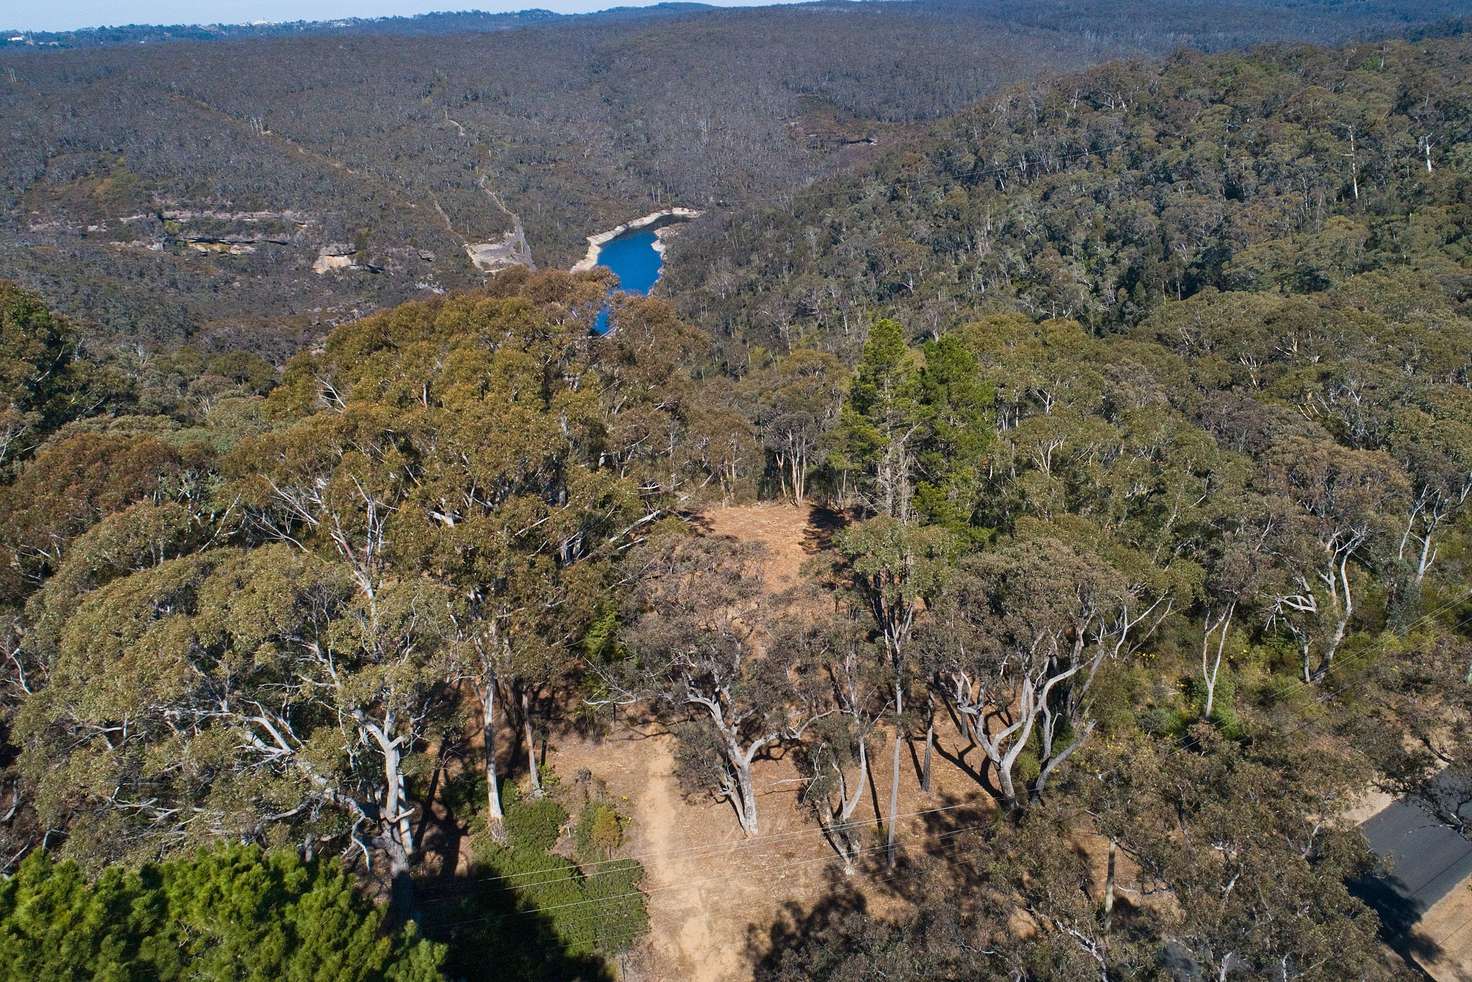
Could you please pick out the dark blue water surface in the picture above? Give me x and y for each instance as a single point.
(633, 259)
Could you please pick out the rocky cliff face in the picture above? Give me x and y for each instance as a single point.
(211, 256)
(511, 250)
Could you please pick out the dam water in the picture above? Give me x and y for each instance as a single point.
(635, 262)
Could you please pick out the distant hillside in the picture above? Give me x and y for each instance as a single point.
(1103, 195)
(222, 186)
(440, 22)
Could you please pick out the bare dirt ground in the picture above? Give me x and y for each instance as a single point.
(704, 879)
(1446, 930)
(714, 894)
(790, 535)
(711, 889)
(1370, 804)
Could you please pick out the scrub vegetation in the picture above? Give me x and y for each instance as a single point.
(168, 190)
(1129, 415)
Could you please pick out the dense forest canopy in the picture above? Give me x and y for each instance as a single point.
(309, 180)
(248, 617)
(438, 22)
(1102, 196)
(1128, 414)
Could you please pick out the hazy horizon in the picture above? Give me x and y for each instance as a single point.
(72, 15)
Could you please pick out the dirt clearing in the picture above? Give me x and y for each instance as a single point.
(711, 889)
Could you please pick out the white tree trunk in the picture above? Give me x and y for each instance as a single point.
(894, 795)
(396, 819)
(496, 816)
(839, 817)
(1428, 555)
(1211, 668)
(531, 744)
(745, 792)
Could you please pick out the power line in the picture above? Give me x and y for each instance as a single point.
(689, 884)
(707, 852)
(943, 841)
(700, 852)
(881, 848)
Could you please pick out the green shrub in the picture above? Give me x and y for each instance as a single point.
(535, 824)
(1164, 721)
(599, 832)
(621, 916)
(1026, 769)
(236, 912)
(547, 917)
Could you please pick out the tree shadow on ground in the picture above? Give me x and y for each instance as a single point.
(958, 760)
(981, 771)
(522, 912)
(1399, 914)
(437, 831)
(881, 912)
(492, 933)
(698, 521)
(823, 524)
(781, 951)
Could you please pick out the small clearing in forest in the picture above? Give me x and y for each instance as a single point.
(713, 892)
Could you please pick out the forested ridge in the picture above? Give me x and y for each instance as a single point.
(437, 22)
(245, 186)
(1128, 415)
(1101, 196)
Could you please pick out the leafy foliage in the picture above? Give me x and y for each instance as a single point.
(232, 912)
(1138, 408)
(545, 916)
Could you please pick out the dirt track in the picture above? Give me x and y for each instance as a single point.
(714, 893)
(707, 883)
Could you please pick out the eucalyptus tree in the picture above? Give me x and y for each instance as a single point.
(1235, 873)
(139, 537)
(1049, 401)
(1336, 511)
(1230, 551)
(896, 570)
(1237, 835)
(75, 481)
(1015, 644)
(1432, 439)
(796, 402)
(1235, 569)
(493, 442)
(437, 492)
(42, 378)
(260, 695)
(509, 505)
(1163, 483)
(649, 399)
(328, 487)
(721, 443)
(696, 655)
(1422, 691)
(835, 756)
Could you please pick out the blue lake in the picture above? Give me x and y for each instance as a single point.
(635, 262)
